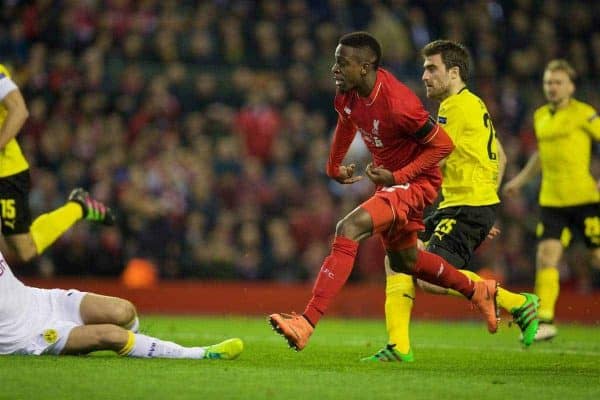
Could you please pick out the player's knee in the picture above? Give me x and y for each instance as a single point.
(549, 253)
(24, 252)
(347, 228)
(547, 259)
(25, 255)
(124, 312)
(354, 226)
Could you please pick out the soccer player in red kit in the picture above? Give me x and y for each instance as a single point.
(406, 145)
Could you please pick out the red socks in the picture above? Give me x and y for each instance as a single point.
(337, 267)
(434, 269)
(334, 273)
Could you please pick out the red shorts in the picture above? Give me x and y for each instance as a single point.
(397, 213)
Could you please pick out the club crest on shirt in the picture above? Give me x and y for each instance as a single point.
(441, 120)
(347, 110)
(50, 336)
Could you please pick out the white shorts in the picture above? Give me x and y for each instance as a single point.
(55, 314)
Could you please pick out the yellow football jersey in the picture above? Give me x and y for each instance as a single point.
(565, 144)
(12, 160)
(471, 170)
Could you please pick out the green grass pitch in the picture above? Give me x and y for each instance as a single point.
(453, 361)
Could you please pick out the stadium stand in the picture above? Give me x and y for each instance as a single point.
(205, 124)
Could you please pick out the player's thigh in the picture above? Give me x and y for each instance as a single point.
(549, 253)
(550, 232)
(100, 309)
(86, 338)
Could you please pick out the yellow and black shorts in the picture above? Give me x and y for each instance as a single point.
(454, 233)
(14, 203)
(564, 223)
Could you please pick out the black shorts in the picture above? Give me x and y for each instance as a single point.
(581, 221)
(14, 203)
(454, 233)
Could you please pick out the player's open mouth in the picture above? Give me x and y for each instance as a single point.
(338, 81)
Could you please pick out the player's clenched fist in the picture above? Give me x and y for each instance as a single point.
(380, 176)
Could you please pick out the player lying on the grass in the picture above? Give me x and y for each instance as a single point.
(36, 321)
(406, 145)
(472, 174)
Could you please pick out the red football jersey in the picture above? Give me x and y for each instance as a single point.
(392, 122)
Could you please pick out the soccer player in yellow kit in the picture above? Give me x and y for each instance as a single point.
(467, 211)
(24, 238)
(569, 198)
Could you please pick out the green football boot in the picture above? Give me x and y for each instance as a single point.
(227, 350)
(390, 354)
(526, 317)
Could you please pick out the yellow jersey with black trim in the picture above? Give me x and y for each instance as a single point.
(471, 170)
(564, 138)
(12, 160)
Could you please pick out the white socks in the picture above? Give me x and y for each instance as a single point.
(149, 347)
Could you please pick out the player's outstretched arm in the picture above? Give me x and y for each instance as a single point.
(530, 171)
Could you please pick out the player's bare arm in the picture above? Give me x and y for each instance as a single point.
(531, 170)
(16, 116)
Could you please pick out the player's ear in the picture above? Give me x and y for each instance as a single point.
(365, 68)
(454, 72)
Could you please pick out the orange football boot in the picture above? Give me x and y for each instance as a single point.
(295, 328)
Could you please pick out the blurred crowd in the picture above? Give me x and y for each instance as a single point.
(206, 124)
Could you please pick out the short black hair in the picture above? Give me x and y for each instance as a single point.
(363, 39)
(453, 54)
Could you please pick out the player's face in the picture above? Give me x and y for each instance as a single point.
(436, 77)
(558, 87)
(348, 71)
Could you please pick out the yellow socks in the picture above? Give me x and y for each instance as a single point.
(509, 300)
(506, 299)
(48, 227)
(547, 287)
(472, 275)
(400, 296)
